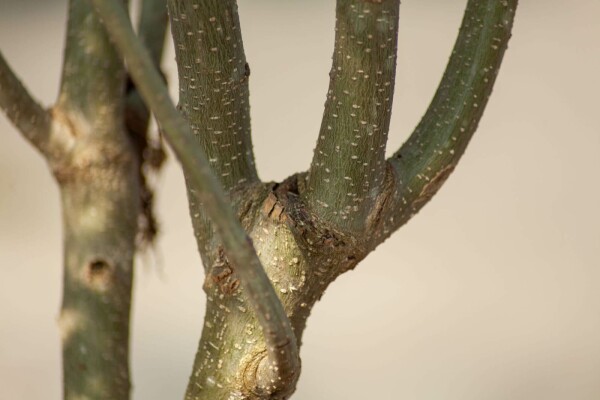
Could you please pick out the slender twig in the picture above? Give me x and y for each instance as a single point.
(23, 110)
(430, 154)
(281, 342)
(348, 165)
(213, 84)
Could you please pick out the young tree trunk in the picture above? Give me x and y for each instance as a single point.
(269, 250)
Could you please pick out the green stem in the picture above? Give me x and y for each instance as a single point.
(283, 361)
(152, 27)
(93, 75)
(348, 167)
(428, 157)
(23, 110)
(100, 207)
(213, 85)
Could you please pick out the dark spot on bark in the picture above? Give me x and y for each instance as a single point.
(98, 266)
(99, 273)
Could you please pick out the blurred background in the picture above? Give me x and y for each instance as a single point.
(491, 292)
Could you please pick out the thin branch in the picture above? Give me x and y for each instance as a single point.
(281, 342)
(23, 110)
(91, 106)
(152, 27)
(428, 157)
(93, 76)
(348, 165)
(213, 84)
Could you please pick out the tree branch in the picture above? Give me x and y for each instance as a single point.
(152, 27)
(428, 157)
(93, 75)
(100, 192)
(348, 166)
(283, 361)
(213, 84)
(23, 110)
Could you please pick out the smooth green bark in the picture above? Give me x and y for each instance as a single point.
(93, 75)
(213, 85)
(100, 207)
(281, 361)
(271, 255)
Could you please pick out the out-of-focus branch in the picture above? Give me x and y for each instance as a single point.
(152, 28)
(283, 361)
(348, 166)
(23, 110)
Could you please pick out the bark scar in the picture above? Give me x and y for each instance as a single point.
(222, 275)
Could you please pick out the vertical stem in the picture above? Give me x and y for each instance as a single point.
(23, 110)
(93, 77)
(348, 165)
(430, 154)
(100, 191)
(213, 84)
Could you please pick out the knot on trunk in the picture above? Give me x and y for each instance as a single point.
(262, 379)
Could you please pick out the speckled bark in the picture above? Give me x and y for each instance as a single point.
(213, 94)
(277, 369)
(348, 165)
(301, 254)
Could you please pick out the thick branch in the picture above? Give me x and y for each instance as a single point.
(283, 361)
(348, 166)
(152, 28)
(93, 76)
(23, 110)
(213, 84)
(430, 154)
(100, 203)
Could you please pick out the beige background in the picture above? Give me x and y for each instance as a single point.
(491, 292)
